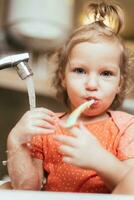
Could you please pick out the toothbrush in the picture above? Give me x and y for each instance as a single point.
(76, 113)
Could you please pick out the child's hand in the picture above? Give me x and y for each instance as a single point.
(81, 148)
(39, 121)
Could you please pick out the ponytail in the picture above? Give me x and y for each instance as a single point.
(106, 14)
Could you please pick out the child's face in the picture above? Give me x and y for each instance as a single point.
(93, 72)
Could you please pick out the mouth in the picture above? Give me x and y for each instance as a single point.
(96, 100)
(90, 98)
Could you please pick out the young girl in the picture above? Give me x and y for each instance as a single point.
(97, 153)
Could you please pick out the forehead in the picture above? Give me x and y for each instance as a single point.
(97, 51)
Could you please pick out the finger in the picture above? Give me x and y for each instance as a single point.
(43, 124)
(66, 139)
(38, 113)
(82, 127)
(35, 132)
(44, 110)
(67, 150)
(67, 159)
(86, 131)
(41, 131)
(75, 131)
(71, 160)
(45, 116)
(51, 120)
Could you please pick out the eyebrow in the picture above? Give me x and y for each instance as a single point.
(84, 64)
(102, 65)
(109, 66)
(77, 63)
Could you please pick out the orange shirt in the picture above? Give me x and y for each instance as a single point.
(67, 178)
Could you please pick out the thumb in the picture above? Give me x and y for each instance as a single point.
(86, 131)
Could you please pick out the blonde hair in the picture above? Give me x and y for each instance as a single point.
(95, 32)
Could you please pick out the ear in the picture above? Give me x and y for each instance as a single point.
(118, 89)
(62, 78)
(120, 85)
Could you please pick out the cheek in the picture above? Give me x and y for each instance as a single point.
(74, 90)
(74, 85)
(110, 90)
(111, 87)
(110, 94)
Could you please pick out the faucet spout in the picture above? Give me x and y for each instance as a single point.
(20, 62)
(24, 70)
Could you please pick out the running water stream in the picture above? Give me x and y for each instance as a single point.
(31, 92)
(32, 101)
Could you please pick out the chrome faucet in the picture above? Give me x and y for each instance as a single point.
(20, 62)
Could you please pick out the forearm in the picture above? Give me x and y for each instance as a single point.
(111, 170)
(126, 185)
(21, 169)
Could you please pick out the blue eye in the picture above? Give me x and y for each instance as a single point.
(79, 70)
(107, 73)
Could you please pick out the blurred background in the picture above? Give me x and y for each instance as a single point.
(39, 27)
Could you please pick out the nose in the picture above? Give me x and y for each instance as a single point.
(91, 82)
